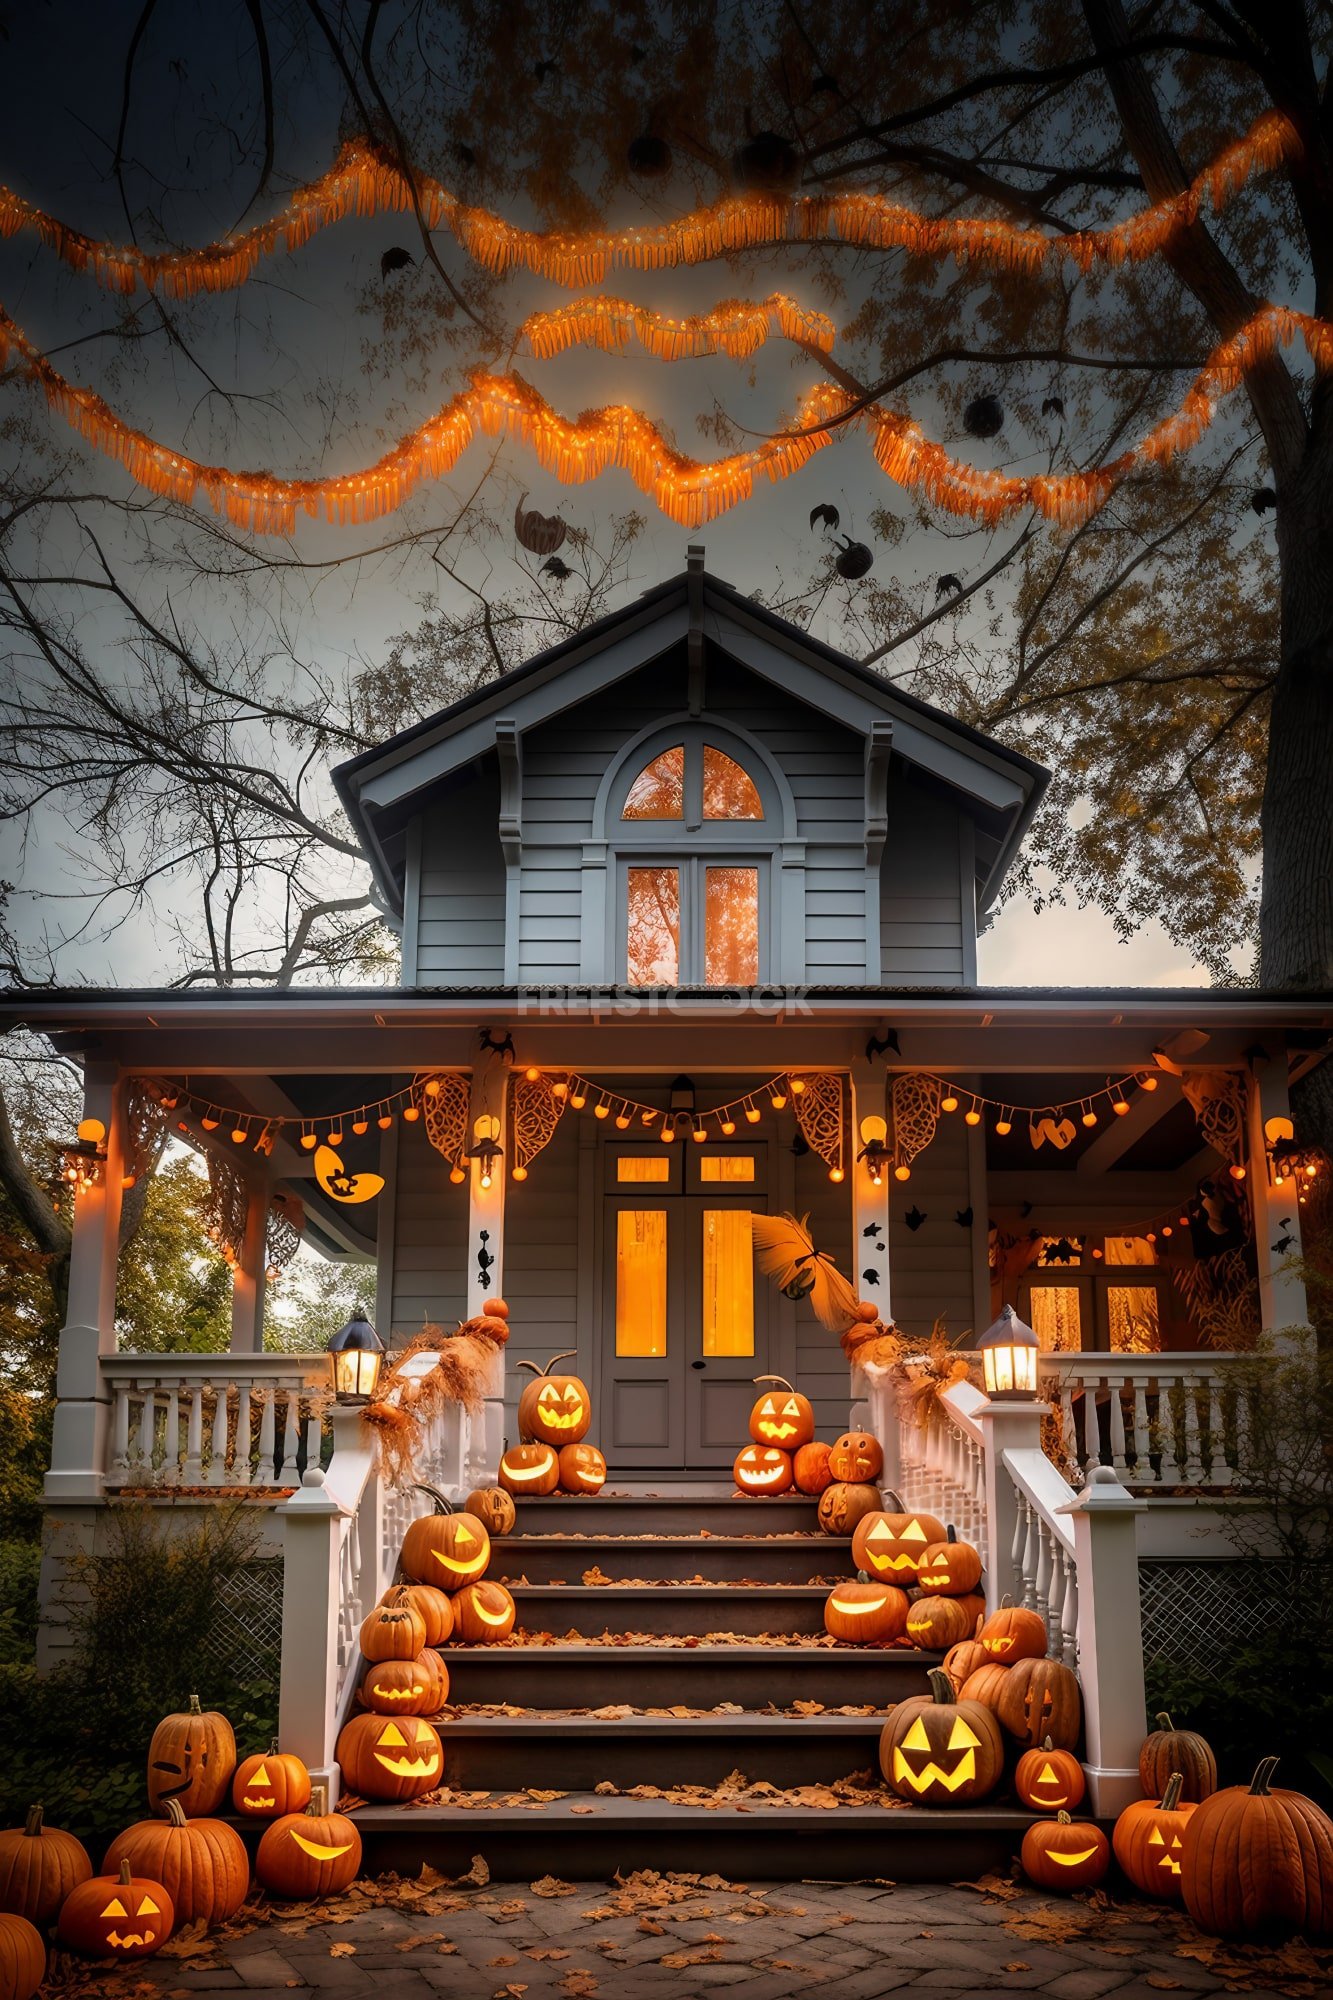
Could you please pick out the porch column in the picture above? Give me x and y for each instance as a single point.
(869, 1265)
(1104, 1517)
(248, 1281)
(486, 1258)
(1282, 1300)
(78, 1439)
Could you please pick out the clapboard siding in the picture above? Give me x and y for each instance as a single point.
(930, 1268)
(541, 1271)
(921, 905)
(430, 1239)
(461, 908)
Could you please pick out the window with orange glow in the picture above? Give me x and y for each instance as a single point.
(731, 926)
(642, 1167)
(653, 957)
(1056, 1314)
(729, 792)
(726, 1167)
(659, 790)
(641, 1282)
(1132, 1319)
(728, 1282)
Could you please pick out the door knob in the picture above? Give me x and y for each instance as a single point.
(698, 1364)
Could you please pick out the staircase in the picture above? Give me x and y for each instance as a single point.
(745, 1568)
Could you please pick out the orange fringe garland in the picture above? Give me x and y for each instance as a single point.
(362, 182)
(733, 327)
(688, 491)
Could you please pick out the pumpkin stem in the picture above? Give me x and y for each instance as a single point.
(125, 1876)
(1260, 1782)
(32, 1825)
(862, 1576)
(1063, 1819)
(941, 1687)
(1047, 1744)
(175, 1812)
(1164, 1721)
(194, 1705)
(273, 1747)
(1171, 1796)
(951, 1533)
(756, 1379)
(442, 1505)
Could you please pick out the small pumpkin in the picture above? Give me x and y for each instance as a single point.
(1169, 1749)
(857, 1458)
(309, 1853)
(963, 1660)
(1258, 1862)
(782, 1417)
(486, 1613)
(191, 1758)
(891, 1545)
(842, 1507)
(390, 1756)
(762, 1470)
(437, 1608)
(1033, 1699)
(201, 1863)
(530, 1468)
(117, 1916)
(553, 1409)
(269, 1784)
(949, 1568)
(395, 1629)
(810, 1469)
(937, 1624)
(935, 1750)
(1065, 1854)
(445, 1548)
(491, 1323)
(582, 1469)
(22, 1957)
(407, 1687)
(1149, 1842)
(864, 1613)
(39, 1866)
(1049, 1780)
(494, 1508)
(1011, 1633)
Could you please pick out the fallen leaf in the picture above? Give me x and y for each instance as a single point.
(1162, 1983)
(551, 1885)
(502, 1960)
(346, 1950)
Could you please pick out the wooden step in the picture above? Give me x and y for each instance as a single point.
(559, 1752)
(694, 1676)
(670, 1514)
(777, 1558)
(675, 1610)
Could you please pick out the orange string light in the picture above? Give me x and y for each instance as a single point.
(734, 327)
(362, 181)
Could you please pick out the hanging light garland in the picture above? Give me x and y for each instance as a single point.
(815, 1097)
(259, 1131)
(735, 327)
(364, 182)
(919, 1097)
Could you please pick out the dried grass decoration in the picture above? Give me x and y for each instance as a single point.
(413, 1396)
(787, 1254)
(927, 1376)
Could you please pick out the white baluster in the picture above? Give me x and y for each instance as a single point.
(171, 1442)
(1172, 1470)
(1069, 1429)
(1091, 1435)
(1030, 1555)
(193, 1470)
(1055, 1594)
(291, 1438)
(1041, 1582)
(1069, 1610)
(240, 1467)
(1144, 1470)
(1117, 1415)
(267, 1434)
(120, 1435)
(147, 1429)
(1019, 1543)
(1193, 1462)
(1220, 1472)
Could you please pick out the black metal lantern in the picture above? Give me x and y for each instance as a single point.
(1009, 1359)
(358, 1355)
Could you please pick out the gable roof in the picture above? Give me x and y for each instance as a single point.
(381, 787)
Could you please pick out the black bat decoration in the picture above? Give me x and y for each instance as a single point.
(828, 514)
(559, 570)
(1263, 499)
(503, 1047)
(878, 1043)
(1053, 406)
(394, 259)
(948, 585)
(870, 1277)
(963, 1218)
(1286, 1239)
(871, 1229)
(914, 1217)
(484, 1257)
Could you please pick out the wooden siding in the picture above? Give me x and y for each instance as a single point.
(430, 1239)
(460, 932)
(930, 1269)
(921, 894)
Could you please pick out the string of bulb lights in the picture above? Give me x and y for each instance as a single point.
(1113, 1096)
(720, 1121)
(260, 1130)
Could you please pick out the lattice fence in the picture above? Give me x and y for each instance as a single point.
(245, 1638)
(1196, 1613)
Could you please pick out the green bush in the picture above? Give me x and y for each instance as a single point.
(19, 1565)
(1268, 1700)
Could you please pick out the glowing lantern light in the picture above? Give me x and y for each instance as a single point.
(1009, 1359)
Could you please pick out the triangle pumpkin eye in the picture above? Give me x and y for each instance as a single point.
(261, 1776)
(913, 1532)
(148, 1908)
(961, 1736)
(393, 1735)
(1155, 1839)
(115, 1908)
(916, 1737)
(464, 1536)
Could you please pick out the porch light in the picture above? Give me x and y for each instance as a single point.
(486, 1149)
(1009, 1359)
(1004, 1125)
(85, 1157)
(358, 1354)
(874, 1147)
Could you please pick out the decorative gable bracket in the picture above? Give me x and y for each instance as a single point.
(879, 748)
(509, 750)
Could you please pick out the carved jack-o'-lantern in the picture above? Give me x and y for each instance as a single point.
(843, 1506)
(408, 1687)
(444, 1548)
(857, 1458)
(810, 1468)
(582, 1469)
(395, 1629)
(1049, 1779)
(269, 1784)
(891, 1545)
(310, 1853)
(1149, 1842)
(553, 1409)
(950, 1568)
(1011, 1633)
(865, 1613)
(390, 1756)
(191, 1758)
(762, 1470)
(1065, 1854)
(494, 1508)
(117, 1916)
(530, 1469)
(938, 1623)
(1032, 1700)
(781, 1416)
(486, 1613)
(938, 1751)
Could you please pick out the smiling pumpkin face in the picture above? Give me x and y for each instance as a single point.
(782, 1417)
(857, 1457)
(1049, 1780)
(891, 1545)
(554, 1409)
(528, 1469)
(267, 1785)
(1065, 1854)
(486, 1613)
(117, 1916)
(938, 1751)
(447, 1550)
(949, 1569)
(762, 1471)
(390, 1757)
(865, 1613)
(407, 1687)
(309, 1854)
(582, 1469)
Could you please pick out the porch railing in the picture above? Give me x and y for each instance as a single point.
(1158, 1420)
(208, 1421)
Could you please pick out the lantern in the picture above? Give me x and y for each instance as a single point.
(1009, 1359)
(874, 1147)
(358, 1354)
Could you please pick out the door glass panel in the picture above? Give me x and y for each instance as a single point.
(641, 1281)
(641, 1167)
(653, 957)
(1056, 1318)
(724, 1167)
(659, 790)
(1131, 1312)
(728, 1282)
(731, 926)
(1130, 1250)
(729, 792)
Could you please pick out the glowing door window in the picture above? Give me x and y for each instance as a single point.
(654, 927)
(726, 1167)
(1132, 1320)
(731, 926)
(641, 1281)
(1057, 1318)
(728, 1282)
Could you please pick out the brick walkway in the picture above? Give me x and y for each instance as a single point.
(657, 1939)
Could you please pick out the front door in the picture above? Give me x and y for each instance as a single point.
(685, 1320)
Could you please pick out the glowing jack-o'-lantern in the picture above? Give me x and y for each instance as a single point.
(938, 1623)
(486, 1613)
(270, 1784)
(781, 1416)
(395, 1629)
(949, 1568)
(1169, 1749)
(530, 1469)
(857, 1458)
(22, 1957)
(310, 1853)
(117, 1916)
(1032, 1700)
(390, 1756)
(865, 1613)
(762, 1470)
(891, 1545)
(445, 1548)
(553, 1409)
(494, 1508)
(191, 1758)
(843, 1506)
(1049, 1779)
(1011, 1633)
(201, 1863)
(582, 1469)
(1065, 1854)
(938, 1751)
(810, 1468)
(1149, 1842)
(407, 1687)
(39, 1866)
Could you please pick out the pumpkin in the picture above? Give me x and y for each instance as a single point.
(39, 1866)
(1168, 1750)
(491, 1323)
(201, 1863)
(1033, 1699)
(951, 1568)
(191, 1758)
(891, 1545)
(857, 1458)
(407, 1687)
(787, 1420)
(436, 1607)
(1049, 1779)
(395, 1629)
(486, 1613)
(1064, 1853)
(761, 1469)
(553, 1409)
(582, 1469)
(530, 1468)
(494, 1508)
(842, 1507)
(1011, 1633)
(269, 1784)
(962, 1661)
(444, 1548)
(938, 1623)
(22, 1957)
(1149, 1842)
(390, 1756)
(865, 1613)
(1259, 1863)
(938, 1751)
(810, 1468)
(117, 1916)
(310, 1853)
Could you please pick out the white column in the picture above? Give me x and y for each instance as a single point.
(248, 1283)
(1005, 1427)
(486, 1219)
(1110, 1637)
(870, 1204)
(1276, 1214)
(80, 1427)
(312, 1524)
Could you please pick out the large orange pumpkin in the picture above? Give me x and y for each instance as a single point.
(445, 1548)
(390, 1756)
(782, 1416)
(486, 1613)
(963, 1660)
(436, 1607)
(1011, 1633)
(762, 1470)
(582, 1469)
(1032, 1700)
(891, 1545)
(201, 1863)
(857, 1458)
(810, 1468)
(117, 1916)
(395, 1629)
(935, 1750)
(843, 1507)
(39, 1866)
(949, 1568)
(1149, 1842)
(1259, 1863)
(310, 1853)
(937, 1624)
(553, 1409)
(865, 1613)
(22, 1957)
(528, 1469)
(1049, 1780)
(1168, 1750)
(191, 1758)
(269, 1784)
(494, 1508)
(408, 1687)
(1065, 1854)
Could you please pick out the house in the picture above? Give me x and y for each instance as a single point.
(689, 909)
